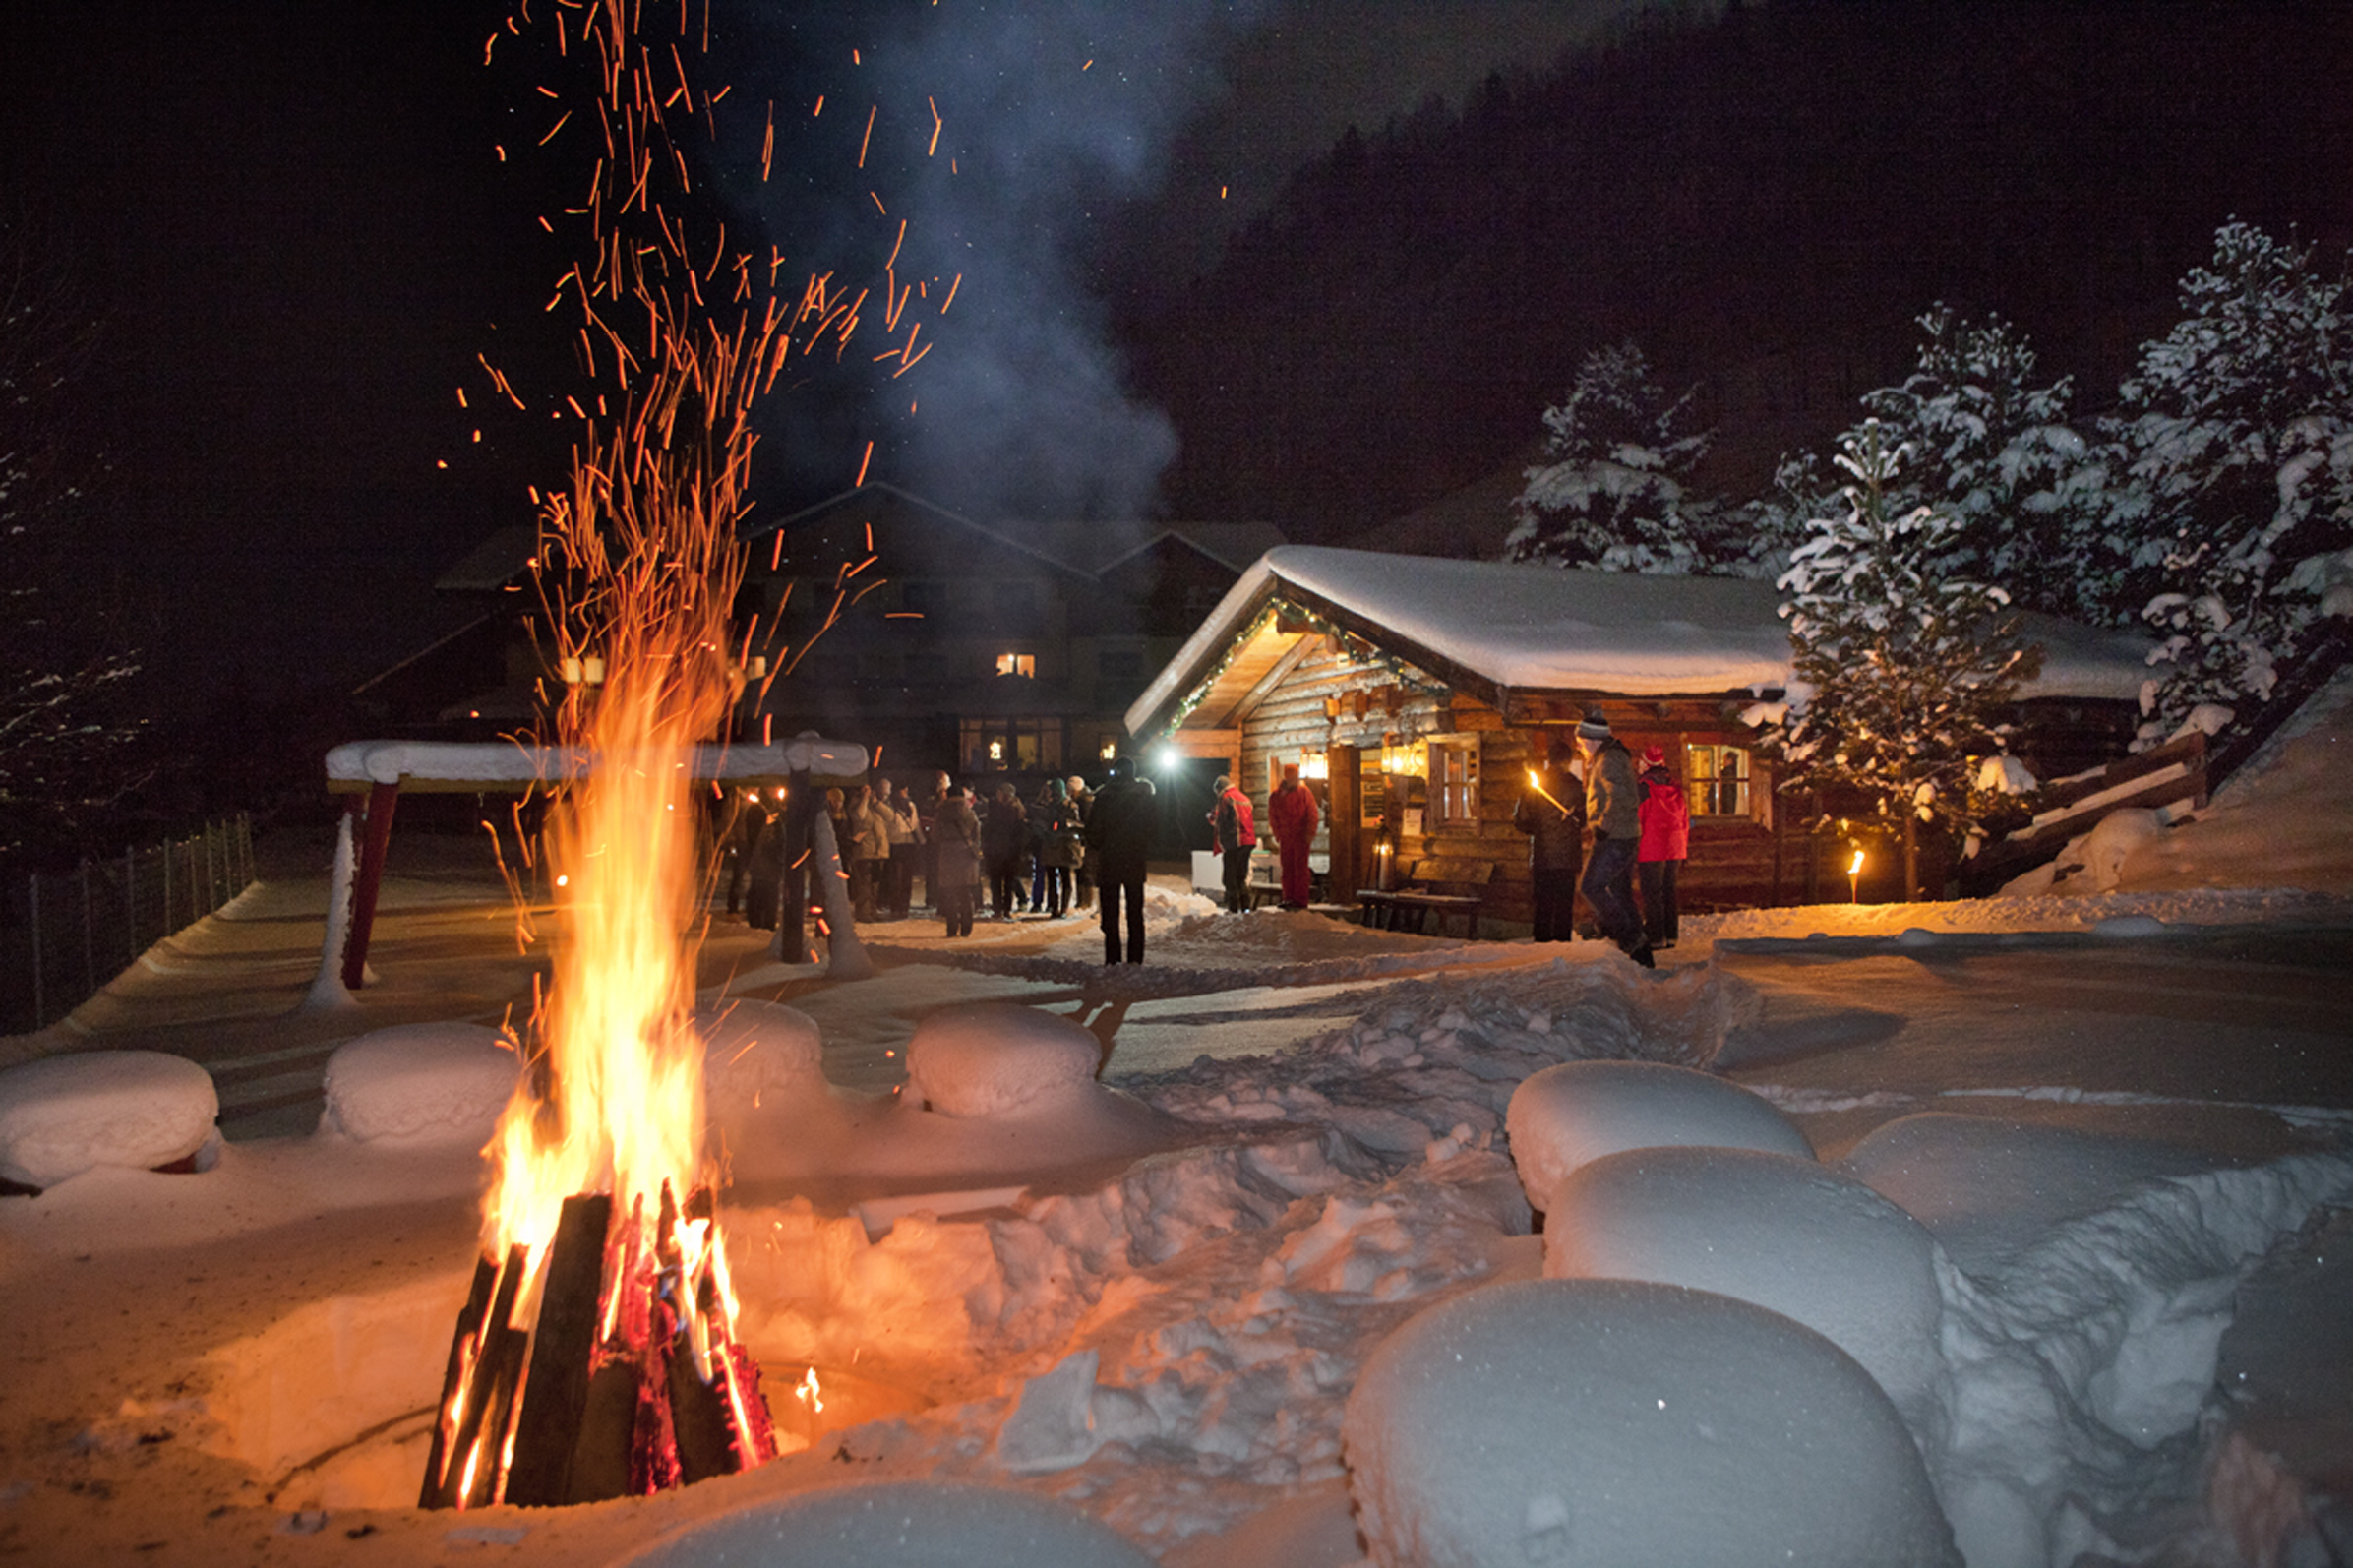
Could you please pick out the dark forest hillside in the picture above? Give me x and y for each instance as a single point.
(1764, 199)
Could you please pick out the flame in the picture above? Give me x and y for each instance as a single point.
(1854, 866)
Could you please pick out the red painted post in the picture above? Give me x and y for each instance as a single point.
(381, 799)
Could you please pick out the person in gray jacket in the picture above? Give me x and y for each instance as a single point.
(1613, 810)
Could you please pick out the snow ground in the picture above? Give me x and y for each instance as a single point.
(2125, 1120)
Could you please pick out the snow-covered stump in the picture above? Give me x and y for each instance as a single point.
(1000, 1059)
(130, 1110)
(1611, 1424)
(1777, 1232)
(432, 1083)
(1567, 1114)
(899, 1525)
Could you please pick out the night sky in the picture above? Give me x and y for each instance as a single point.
(292, 219)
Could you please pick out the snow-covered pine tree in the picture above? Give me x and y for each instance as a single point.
(1991, 451)
(1902, 674)
(2234, 521)
(1615, 492)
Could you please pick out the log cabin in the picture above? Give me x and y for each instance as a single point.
(1415, 692)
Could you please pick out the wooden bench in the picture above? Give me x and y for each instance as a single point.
(1439, 887)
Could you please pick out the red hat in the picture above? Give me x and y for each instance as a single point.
(1655, 756)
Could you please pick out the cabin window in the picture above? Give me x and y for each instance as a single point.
(1718, 778)
(1453, 784)
(1017, 664)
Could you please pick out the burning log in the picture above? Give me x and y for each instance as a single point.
(634, 1381)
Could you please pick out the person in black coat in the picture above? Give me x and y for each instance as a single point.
(1551, 812)
(1119, 826)
(1005, 849)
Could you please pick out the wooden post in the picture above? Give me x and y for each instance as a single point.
(381, 799)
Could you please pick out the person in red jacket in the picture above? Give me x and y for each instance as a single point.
(1232, 834)
(1292, 814)
(1665, 842)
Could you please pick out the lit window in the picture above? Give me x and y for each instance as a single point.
(1017, 664)
(1716, 779)
(1453, 784)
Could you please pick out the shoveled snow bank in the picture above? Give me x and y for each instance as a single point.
(1581, 1110)
(440, 1082)
(131, 1110)
(1768, 1228)
(1621, 1424)
(899, 1525)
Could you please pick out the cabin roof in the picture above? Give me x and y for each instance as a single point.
(1495, 628)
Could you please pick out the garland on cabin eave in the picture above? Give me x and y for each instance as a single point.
(1352, 648)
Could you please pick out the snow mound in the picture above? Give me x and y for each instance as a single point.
(1575, 1112)
(990, 1058)
(1160, 903)
(1611, 1423)
(2129, 926)
(2117, 836)
(136, 1110)
(438, 1082)
(899, 1525)
(755, 1048)
(1768, 1228)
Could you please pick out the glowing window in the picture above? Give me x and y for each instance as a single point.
(1453, 784)
(1017, 664)
(1717, 780)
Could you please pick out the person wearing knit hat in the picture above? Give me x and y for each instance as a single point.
(1665, 841)
(1612, 811)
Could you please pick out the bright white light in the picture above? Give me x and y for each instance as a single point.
(1170, 760)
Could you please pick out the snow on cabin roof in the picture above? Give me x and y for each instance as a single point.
(1540, 628)
(493, 766)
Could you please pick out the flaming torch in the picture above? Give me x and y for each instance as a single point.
(1535, 782)
(1854, 876)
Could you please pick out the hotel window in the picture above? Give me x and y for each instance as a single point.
(1716, 779)
(1453, 784)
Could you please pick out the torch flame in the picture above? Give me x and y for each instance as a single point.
(1854, 868)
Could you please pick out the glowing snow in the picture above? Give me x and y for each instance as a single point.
(1580, 1111)
(1619, 1425)
(899, 1525)
(992, 1058)
(438, 1081)
(135, 1110)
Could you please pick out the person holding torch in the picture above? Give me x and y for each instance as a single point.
(1551, 812)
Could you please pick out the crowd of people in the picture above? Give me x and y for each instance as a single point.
(1046, 856)
(1068, 848)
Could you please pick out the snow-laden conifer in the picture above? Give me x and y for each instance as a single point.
(1615, 492)
(2233, 523)
(1903, 674)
